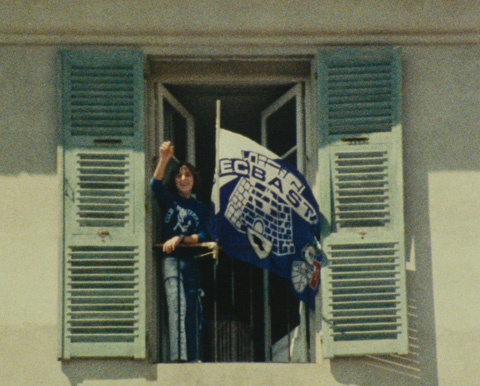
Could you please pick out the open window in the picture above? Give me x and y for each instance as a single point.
(105, 266)
(176, 124)
(252, 316)
(282, 124)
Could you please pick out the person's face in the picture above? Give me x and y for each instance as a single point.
(184, 182)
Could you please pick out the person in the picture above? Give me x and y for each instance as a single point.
(184, 222)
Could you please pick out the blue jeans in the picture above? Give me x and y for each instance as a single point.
(182, 280)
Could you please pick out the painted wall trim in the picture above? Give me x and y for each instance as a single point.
(193, 39)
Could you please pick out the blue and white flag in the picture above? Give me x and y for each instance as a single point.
(264, 212)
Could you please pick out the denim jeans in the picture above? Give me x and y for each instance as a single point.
(182, 279)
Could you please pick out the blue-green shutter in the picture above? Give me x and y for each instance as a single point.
(103, 278)
(363, 292)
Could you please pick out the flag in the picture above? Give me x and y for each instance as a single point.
(263, 212)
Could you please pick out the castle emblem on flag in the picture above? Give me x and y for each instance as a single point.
(263, 212)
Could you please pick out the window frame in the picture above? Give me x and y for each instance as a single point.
(311, 135)
(300, 73)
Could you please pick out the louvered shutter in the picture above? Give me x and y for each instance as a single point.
(360, 163)
(103, 286)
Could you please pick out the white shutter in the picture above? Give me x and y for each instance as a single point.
(360, 159)
(103, 291)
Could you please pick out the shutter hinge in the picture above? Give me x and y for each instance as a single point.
(69, 192)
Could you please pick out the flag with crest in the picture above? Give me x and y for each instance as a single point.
(264, 212)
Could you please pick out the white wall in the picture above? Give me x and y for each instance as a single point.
(30, 213)
(442, 149)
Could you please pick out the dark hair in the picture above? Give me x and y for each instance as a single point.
(176, 169)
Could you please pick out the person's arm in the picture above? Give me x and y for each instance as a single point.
(166, 152)
(192, 239)
(171, 244)
(175, 241)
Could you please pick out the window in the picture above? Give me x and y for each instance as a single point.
(254, 312)
(107, 154)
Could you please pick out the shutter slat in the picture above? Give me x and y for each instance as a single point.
(96, 318)
(93, 90)
(99, 174)
(352, 90)
(124, 315)
(358, 176)
(354, 264)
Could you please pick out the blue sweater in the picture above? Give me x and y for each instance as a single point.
(181, 216)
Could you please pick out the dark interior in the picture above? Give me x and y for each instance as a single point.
(236, 287)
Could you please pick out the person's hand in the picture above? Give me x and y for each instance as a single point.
(171, 244)
(166, 150)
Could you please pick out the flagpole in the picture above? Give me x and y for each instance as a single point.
(217, 117)
(216, 202)
(215, 197)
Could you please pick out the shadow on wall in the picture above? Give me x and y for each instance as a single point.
(32, 153)
(80, 370)
(29, 111)
(419, 367)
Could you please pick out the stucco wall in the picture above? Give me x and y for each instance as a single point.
(251, 16)
(442, 178)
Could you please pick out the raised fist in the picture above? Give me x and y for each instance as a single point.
(166, 150)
